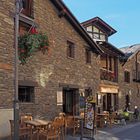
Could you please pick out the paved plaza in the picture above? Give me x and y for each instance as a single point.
(127, 132)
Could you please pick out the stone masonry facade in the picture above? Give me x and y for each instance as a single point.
(132, 88)
(6, 54)
(49, 70)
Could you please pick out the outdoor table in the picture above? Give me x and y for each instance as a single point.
(37, 124)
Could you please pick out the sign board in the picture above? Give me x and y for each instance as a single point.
(59, 98)
(89, 114)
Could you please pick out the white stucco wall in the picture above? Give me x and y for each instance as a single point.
(5, 116)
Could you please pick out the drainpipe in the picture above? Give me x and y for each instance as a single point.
(136, 63)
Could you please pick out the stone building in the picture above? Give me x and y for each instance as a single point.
(130, 78)
(52, 82)
(108, 94)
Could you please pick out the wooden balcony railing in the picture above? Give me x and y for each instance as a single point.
(108, 75)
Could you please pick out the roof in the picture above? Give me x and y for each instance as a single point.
(130, 51)
(110, 49)
(62, 8)
(100, 24)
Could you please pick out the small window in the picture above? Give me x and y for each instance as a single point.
(110, 64)
(27, 6)
(70, 49)
(89, 28)
(127, 76)
(88, 56)
(26, 94)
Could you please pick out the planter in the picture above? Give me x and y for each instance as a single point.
(32, 42)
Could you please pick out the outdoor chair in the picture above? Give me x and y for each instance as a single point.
(24, 132)
(52, 132)
(113, 117)
(59, 122)
(99, 121)
(71, 123)
(107, 119)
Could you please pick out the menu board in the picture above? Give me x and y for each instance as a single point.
(89, 115)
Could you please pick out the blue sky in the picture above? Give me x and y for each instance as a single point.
(122, 15)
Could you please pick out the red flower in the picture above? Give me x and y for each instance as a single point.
(33, 30)
(45, 47)
(22, 50)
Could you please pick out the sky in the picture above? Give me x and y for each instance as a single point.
(122, 15)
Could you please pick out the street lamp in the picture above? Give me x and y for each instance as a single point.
(16, 103)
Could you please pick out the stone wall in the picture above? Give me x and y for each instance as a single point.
(6, 53)
(132, 88)
(47, 70)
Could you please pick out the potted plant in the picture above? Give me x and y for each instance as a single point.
(32, 42)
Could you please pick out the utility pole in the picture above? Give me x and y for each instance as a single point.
(16, 103)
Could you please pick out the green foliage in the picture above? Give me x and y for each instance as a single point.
(30, 43)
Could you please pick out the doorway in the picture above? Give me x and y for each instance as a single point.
(70, 101)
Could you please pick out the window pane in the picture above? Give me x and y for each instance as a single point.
(26, 94)
(27, 7)
(96, 30)
(102, 37)
(71, 49)
(88, 56)
(96, 36)
(89, 28)
(127, 76)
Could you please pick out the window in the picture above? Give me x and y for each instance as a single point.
(110, 63)
(27, 6)
(96, 33)
(26, 94)
(127, 76)
(88, 56)
(70, 49)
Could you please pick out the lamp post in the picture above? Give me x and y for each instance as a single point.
(16, 103)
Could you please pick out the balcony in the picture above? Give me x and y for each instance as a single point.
(107, 75)
(136, 76)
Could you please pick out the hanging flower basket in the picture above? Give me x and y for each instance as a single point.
(32, 42)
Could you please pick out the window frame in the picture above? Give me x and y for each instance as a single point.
(127, 76)
(25, 97)
(93, 33)
(88, 56)
(70, 49)
(27, 8)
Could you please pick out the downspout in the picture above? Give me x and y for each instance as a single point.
(136, 64)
